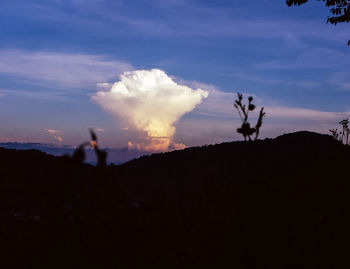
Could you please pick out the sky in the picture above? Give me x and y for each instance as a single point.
(161, 75)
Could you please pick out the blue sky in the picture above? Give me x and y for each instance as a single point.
(55, 53)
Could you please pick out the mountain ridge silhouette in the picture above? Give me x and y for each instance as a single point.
(273, 203)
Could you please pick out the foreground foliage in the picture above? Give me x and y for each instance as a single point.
(340, 10)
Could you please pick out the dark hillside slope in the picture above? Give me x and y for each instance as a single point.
(274, 203)
(28, 176)
(36, 190)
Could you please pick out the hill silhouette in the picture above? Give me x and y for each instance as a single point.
(273, 203)
(115, 155)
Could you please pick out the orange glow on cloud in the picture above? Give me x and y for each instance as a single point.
(56, 134)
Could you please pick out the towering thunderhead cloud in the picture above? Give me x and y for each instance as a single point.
(151, 102)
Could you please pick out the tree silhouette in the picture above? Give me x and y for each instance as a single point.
(243, 112)
(340, 10)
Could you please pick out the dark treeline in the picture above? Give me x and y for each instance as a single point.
(273, 203)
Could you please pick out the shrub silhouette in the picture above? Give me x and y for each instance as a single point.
(345, 133)
(335, 134)
(246, 130)
(342, 136)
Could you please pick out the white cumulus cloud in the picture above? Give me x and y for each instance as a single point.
(151, 102)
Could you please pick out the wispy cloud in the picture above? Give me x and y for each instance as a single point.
(272, 79)
(341, 80)
(249, 76)
(218, 119)
(44, 95)
(56, 134)
(60, 69)
(315, 58)
(220, 104)
(183, 18)
(53, 131)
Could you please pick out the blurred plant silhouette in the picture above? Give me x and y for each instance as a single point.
(342, 136)
(100, 154)
(246, 130)
(79, 154)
